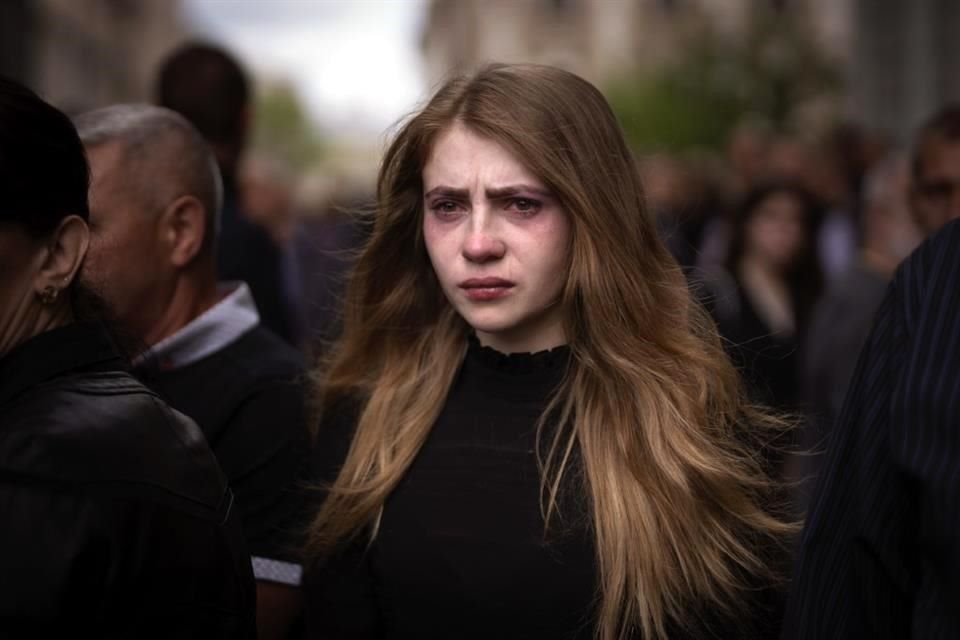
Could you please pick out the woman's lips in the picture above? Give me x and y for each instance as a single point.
(483, 289)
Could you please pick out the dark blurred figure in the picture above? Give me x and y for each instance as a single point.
(680, 198)
(935, 184)
(117, 522)
(855, 151)
(747, 153)
(210, 89)
(842, 319)
(818, 168)
(763, 297)
(154, 200)
(329, 233)
(267, 193)
(880, 555)
(747, 156)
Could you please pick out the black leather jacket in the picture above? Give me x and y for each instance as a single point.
(115, 520)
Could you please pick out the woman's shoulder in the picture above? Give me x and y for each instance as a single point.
(103, 428)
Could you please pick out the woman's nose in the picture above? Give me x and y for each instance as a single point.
(482, 242)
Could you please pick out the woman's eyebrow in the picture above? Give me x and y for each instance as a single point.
(493, 194)
(512, 190)
(450, 192)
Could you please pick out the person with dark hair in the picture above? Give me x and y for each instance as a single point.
(763, 297)
(935, 178)
(880, 554)
(117, 521)
(209, 88)
(154, 201)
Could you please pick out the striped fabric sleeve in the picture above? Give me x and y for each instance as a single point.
(880, 554)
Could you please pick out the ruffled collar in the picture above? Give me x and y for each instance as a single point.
(555, 359)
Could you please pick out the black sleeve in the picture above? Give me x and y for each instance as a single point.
(341, 598)
(266, 454)
(851, 579)
(880, 556)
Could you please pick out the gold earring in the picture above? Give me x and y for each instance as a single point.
(49, 295)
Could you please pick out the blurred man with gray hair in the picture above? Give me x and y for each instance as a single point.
(155, 198)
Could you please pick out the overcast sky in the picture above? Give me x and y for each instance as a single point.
(356, 64)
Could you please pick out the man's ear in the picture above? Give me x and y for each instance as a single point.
(66, 249)
(185, 229)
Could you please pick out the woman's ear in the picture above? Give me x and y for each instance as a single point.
(65, 252)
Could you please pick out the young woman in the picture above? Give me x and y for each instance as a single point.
(529, 429)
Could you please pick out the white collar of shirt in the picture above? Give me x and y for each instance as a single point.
(217, 327)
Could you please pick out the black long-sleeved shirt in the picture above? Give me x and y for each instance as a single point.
(462, 551)
(880, 556)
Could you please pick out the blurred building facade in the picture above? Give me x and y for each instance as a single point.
(81, 55)
(600, 39)
(905, 62)
(897, 57)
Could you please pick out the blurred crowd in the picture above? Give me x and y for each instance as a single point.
(788, 239)
(791, 241)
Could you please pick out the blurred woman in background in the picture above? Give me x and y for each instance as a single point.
(763, 298)
(529, 429)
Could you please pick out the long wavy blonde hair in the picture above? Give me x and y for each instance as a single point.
(679, 499)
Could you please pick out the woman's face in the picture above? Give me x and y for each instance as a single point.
(20, 258)
(775, 233)
(498, 242)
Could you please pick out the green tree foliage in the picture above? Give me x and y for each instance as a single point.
(282, 126)
(698, 98)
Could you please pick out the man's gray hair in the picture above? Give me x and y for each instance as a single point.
(163, 157)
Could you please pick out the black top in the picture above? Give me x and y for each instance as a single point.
(768, 360)
(117, 521)
(248, 399)
(880, 557)
(462, 551)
